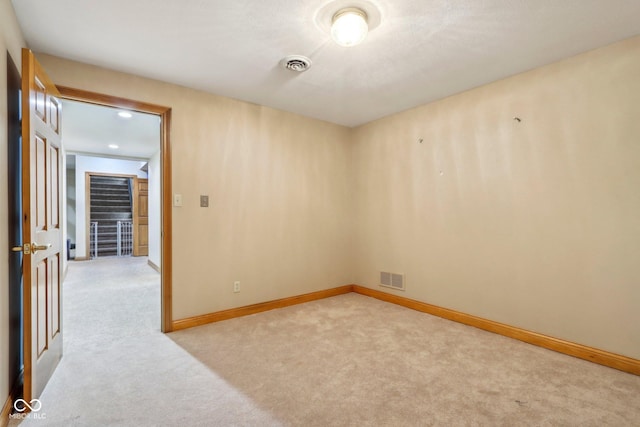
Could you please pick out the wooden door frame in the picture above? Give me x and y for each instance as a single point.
(164, 113)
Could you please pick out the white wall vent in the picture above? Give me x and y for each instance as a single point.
(392, 280)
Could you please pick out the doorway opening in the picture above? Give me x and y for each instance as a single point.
(150, 234)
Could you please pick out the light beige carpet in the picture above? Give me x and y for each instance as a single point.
(343, 361)
(352, 361)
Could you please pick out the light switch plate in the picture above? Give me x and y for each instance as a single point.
(204, 201)
(177, 200)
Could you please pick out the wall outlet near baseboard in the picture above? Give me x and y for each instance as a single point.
(236, 286)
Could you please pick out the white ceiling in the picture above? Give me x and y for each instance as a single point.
(90, 129)
(421, 51)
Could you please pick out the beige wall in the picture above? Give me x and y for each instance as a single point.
(530, 223)
(534, 223)
(279, 215)
(11, 41)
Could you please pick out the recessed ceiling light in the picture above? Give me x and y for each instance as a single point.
(113, 146)
(125, 114)
(349, 26)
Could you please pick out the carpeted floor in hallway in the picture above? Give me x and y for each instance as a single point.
(343, 361)
(118, 369)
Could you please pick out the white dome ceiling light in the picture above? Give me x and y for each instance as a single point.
(348, 21)
(349, 27)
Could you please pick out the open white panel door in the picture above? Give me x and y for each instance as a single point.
(42, 248)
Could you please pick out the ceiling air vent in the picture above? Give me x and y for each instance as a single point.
(297, 63)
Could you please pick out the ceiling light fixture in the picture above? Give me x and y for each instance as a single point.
(348, 22)
(113, 146)
(125, 114)
(349, 26)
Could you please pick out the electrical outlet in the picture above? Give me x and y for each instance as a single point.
(236, 286)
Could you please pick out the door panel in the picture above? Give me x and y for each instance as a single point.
(40, 174)
(54, 268)
(54, 188)
(42, 236)
(54, 115)
(40, 95)
(41, 311)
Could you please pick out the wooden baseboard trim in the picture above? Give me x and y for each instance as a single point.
(153, 265)
(601, 357)
(591, 354)
(204, 319)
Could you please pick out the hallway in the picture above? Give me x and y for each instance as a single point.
(108, 300)
(119, 369)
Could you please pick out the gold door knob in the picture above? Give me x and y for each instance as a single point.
(32, 248)
(35, 247)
